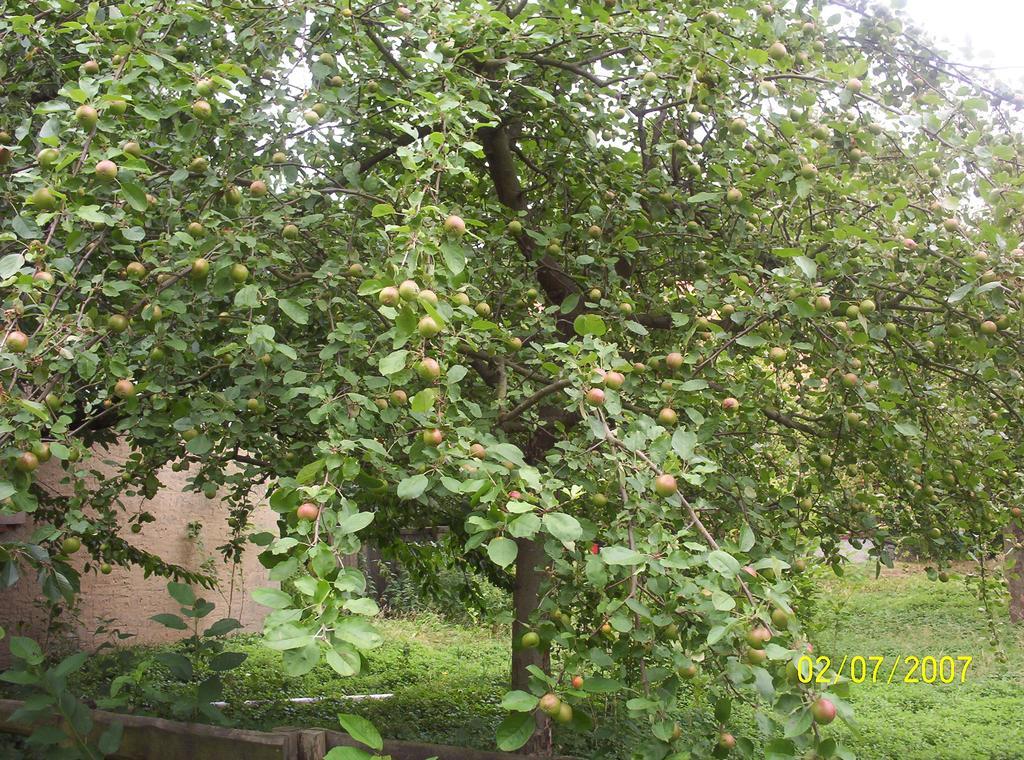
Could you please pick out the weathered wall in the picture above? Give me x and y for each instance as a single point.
(125, 599)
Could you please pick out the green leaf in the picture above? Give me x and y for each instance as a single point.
(168, 620)
(348, 753)
(563, 527)
(182, 593)
(683, 443)
(519, 701)
(362, 730)
(751, 340)
(179, 665)
(358, 632)
(10, 264)
(413, 486)
(620, 555)
(515, 731)
(298, 661)
(722, 601)
(296, 312)
(355, 523)
(423, 401)
(26, 649)
(134, 194)
(601, 685)
(909, 429)
(227, 661)
(807, 266)
(723, 563)
(248, 297)
(271, 597)
(382, 209)
(454, 256)
(393, 362)
(502, 551)
(342, 665)
(199, 445)
(589, 324)
(509, 452)
(110, 739)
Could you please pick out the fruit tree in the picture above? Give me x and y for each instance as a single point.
(644, 301)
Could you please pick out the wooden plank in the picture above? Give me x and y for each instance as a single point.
(415, 751)
(146, 738)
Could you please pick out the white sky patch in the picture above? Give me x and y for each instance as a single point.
(989, 29)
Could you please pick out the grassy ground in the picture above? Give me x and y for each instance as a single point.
(904, 613)
(447, 681)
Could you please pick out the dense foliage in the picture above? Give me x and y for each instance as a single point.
(642, 301)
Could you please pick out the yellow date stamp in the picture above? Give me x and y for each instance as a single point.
(879, 669)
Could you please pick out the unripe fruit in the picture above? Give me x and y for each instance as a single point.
(132, 149)
(564, 713)
(730, 404)
(117, 323)
(726, 741)
(136, 270)
(850, 380)
(595, 396)
(550, 705)
(455, 225)
(823, 711)
(674, 360)
(106, 170)
(758, 637)
(16, 342)
(529, 640)
(258, 187)
(910, 244)
(780, 617)
(477, 451)
(389, 296)
(428, 369)
(105, 568)
(26, 462)
(307, 511)
(867, 306)
(239, 273)
(47, 157)
(124, 389)
(988, 327)
(428, 327)
(91, 67)
(668, 416)
(428, 296)
(665, 485)
(483, 310)
(594, 232)
(733, 196)
(200, 268)
(515, 227)
(777, 355)
(232, 195)
(402, 13)
(202, 110)
(87, 116)
(777, 51)
(433, 437)
(290, 232)
(461, 298)
(687, 672)
(822, 303)
(399, 397)
(854, 85)
(205, 87)
(117, 106)
(311, 117)
(408, 290)
(279, 157)
(614, 380)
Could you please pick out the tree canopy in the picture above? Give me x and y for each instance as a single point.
(644, 301)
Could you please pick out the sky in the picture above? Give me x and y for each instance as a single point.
(992, 26)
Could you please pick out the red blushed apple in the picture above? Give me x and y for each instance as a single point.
(595, 548)
(514, 496)
(614, 380)
(730, 404)
(665, 485)
(455, 225)
(674, 360)
(433, 437)
(308, 511)
(726, 741)
(577, 682)
(595, 397)
(824, 711)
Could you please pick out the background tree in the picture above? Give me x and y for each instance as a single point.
(644, 301)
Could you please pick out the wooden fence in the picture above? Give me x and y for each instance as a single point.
(150, 738)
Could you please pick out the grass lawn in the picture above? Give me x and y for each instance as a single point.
(447, 681)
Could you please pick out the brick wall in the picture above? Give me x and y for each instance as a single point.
(127, 598)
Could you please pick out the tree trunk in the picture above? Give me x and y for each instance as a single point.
(525, 598)
(1015, 568)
